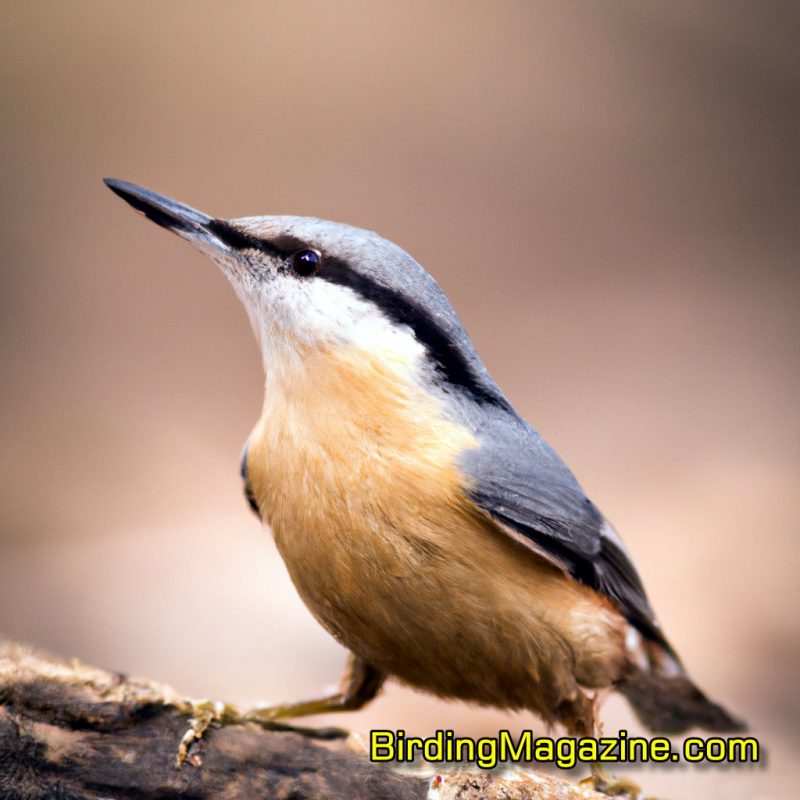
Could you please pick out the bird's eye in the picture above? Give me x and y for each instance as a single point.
(306, 262)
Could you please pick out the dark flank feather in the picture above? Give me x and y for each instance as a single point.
(248, 489)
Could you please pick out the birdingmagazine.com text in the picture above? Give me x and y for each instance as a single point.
(444, 747)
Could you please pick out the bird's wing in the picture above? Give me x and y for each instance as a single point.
(521, 483)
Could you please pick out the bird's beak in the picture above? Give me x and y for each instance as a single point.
(187, 222)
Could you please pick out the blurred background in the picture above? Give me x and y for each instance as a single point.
(607, 192)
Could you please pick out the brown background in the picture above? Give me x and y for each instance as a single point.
(608, 193)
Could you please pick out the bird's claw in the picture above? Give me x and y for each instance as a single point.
(611, 785)
(205, 713)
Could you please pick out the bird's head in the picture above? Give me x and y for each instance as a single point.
(309, 285)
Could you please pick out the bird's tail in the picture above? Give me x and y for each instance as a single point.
(666, 700)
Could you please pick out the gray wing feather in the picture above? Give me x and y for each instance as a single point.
(519, 480)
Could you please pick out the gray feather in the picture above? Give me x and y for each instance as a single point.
(521, 482)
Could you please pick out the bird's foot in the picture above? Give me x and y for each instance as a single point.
(213, 713)
(205, 713)
(612, 785)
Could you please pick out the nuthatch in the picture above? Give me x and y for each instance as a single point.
(426, 525)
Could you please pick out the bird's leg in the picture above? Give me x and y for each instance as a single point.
(611, 785)
(360, 684)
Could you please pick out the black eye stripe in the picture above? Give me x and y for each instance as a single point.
(452, 363)
(402, 310)
(238, 240)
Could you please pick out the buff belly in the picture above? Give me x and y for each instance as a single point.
(370, 514)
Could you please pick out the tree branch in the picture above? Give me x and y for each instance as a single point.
(69, 731)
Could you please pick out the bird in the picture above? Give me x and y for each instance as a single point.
(427, 526)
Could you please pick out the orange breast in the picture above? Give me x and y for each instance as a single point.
(354, 466)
